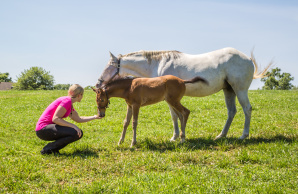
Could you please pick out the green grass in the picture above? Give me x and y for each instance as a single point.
(267, 162)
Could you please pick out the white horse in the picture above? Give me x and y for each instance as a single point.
(226, 69)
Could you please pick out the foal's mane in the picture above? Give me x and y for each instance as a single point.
(155, 55)
(119, 81)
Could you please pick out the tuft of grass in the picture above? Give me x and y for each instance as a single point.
(264, 163)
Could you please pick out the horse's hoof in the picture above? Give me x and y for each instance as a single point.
(174, 138)
(220, 136)
(133, 144)
(182, 141)
(244, 136)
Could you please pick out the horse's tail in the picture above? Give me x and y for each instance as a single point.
(195, 79)
(263, 73)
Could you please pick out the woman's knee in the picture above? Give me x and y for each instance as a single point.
(78, 136)
(81, 134)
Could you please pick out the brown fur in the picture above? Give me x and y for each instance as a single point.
(140, 92)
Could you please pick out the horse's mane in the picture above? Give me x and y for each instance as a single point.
(155, 55)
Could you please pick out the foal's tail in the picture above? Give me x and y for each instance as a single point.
(196, 79)
(263, 73)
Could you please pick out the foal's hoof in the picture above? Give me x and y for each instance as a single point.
(120, 142)
(182, 141)
(220, 136)
(243, 136)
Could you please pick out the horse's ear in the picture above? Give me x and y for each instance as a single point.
(113, 57)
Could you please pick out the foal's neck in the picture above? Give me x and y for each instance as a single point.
(119, 88)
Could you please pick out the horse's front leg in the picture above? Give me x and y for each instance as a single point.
(175, 124)
(135, 113)
(126, 123)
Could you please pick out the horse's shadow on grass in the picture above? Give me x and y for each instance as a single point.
(223, 144)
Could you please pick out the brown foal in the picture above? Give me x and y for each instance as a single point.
(145, 91)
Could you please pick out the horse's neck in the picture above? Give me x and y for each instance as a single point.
(138, 69)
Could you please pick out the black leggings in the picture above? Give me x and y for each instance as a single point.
(62, 135)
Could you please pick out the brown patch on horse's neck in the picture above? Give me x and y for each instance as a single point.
(119, 87)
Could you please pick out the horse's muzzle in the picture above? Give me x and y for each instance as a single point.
(99, 84)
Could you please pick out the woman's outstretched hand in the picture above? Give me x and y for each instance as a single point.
(97, 117)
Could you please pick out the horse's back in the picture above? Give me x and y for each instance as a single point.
(220, 68)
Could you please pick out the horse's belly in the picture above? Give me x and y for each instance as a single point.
(202, 89)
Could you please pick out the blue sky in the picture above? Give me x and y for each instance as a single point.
(72, 39)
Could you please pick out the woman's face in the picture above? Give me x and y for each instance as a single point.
(80, 97)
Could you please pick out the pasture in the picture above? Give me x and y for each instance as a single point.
(267, 162)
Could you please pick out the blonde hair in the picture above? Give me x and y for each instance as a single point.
(75, 90)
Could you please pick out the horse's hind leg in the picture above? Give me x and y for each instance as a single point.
(231, 106)
(126, 123)
(175, 123)
(244, 101)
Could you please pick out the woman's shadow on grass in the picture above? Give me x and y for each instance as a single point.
(224, 144)
(83, 153)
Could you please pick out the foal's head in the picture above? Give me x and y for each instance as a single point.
(102, 101)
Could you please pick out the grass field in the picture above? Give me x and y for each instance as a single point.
(267, 162)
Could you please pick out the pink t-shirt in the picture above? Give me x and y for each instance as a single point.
(47, 116)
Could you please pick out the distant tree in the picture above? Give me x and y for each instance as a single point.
(36, 78)
(277, 81)
(62, 86)
(4, 77)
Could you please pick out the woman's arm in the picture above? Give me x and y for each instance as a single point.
(75, 116)
(57, 119)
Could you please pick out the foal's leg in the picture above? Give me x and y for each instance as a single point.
(126, 123)
(231, 105)
(135, 113)
(244, 101)
(175, 123)
(185, 113)
(182, 114)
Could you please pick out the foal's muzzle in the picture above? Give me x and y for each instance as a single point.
(101, 114)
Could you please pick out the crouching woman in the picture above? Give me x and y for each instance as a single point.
(52, 127)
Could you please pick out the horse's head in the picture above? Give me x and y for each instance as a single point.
(102, 101)
(110, 71)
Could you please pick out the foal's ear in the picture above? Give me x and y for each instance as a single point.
(93, 89)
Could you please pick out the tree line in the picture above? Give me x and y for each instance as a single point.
(37, 78)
